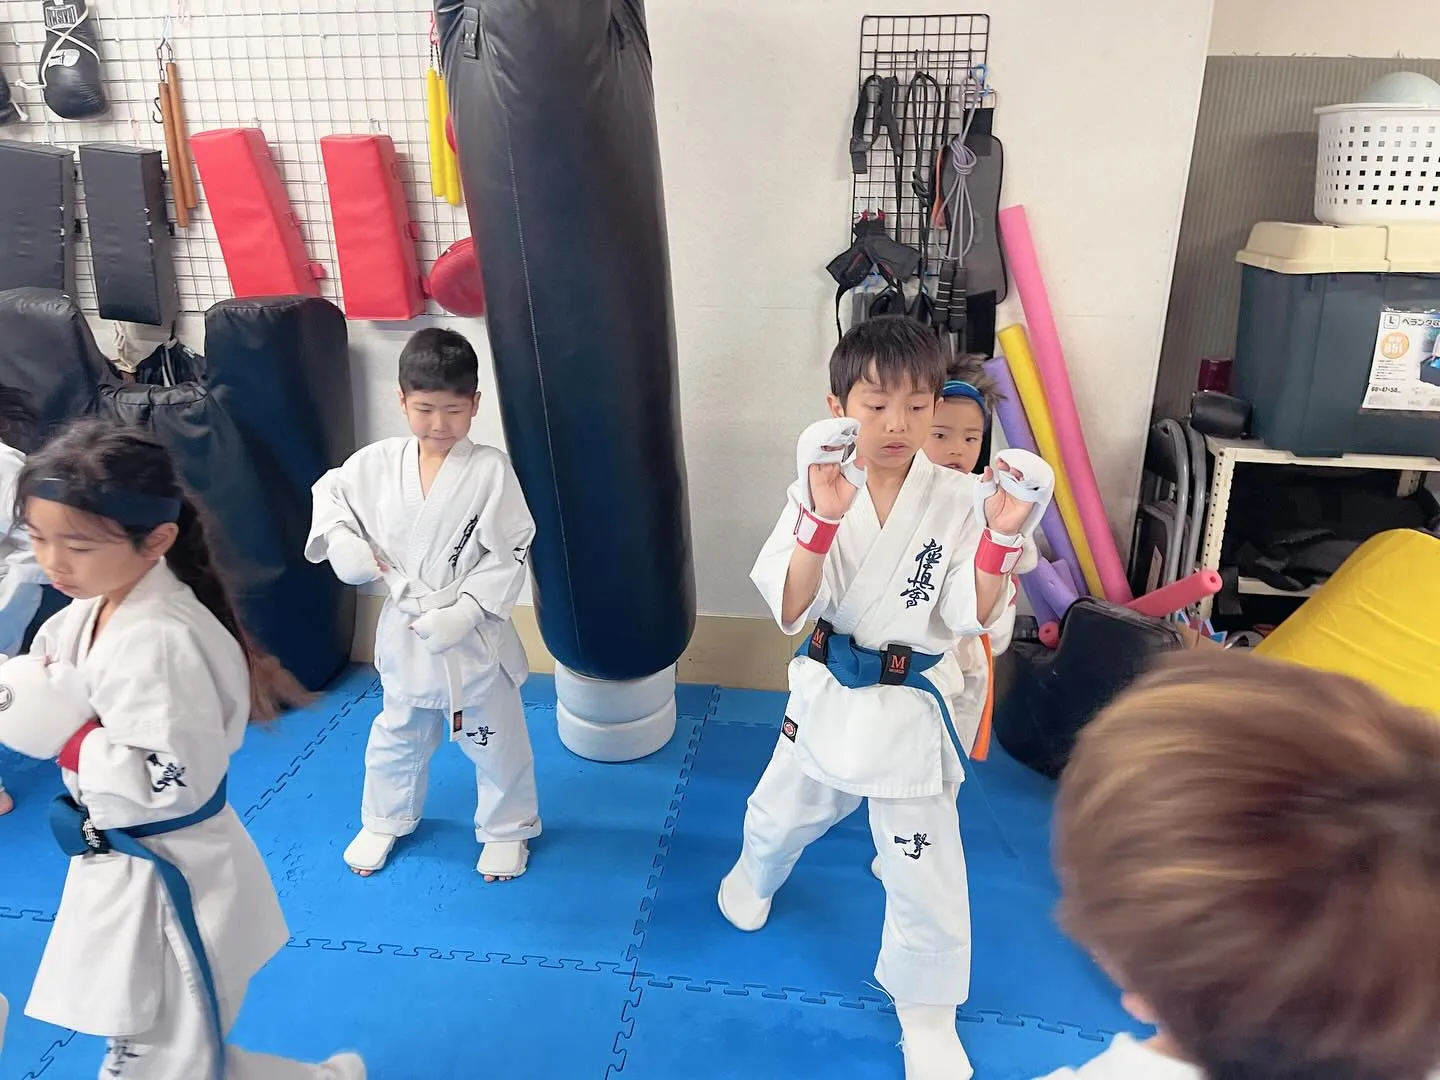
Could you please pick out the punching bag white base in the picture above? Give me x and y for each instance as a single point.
(614, 721)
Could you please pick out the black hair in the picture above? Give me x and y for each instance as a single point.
(91, 456)
(439, 360)
(970, 368)
(891, 350)
(17, 417)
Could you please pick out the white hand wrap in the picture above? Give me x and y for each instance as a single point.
(1036, 488)
(350, 557)
(1000, 553)
(444, 628)
(41, 705)
(828, 442)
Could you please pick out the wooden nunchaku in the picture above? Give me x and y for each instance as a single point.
(177, 139)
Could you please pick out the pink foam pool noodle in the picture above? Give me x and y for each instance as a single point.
(1178, 595)
(1050, 358)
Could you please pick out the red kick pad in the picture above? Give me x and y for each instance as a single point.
(379, 270)
(258, 230)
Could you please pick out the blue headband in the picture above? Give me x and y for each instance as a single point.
(131, 509)
(955, 388)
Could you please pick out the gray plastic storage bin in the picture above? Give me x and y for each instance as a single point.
(1311, 298)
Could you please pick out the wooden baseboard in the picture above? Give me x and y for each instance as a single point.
(726, 650)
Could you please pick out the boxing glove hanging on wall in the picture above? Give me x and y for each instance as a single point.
(554, 116)
(70, 61)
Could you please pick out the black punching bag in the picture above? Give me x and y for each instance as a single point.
(554, 119)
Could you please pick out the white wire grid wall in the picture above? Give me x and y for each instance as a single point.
(335, 67)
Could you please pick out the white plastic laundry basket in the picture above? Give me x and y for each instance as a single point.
(1378, 165)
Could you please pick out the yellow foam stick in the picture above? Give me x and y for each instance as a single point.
(1016, 347)
(435, 121)
(453, 192)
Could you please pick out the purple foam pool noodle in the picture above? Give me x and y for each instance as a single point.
(1011, 415)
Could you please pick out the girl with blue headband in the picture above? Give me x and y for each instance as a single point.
(140, 691)
(962, 415)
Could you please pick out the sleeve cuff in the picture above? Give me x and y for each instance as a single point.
(69, 756)
(478, 610)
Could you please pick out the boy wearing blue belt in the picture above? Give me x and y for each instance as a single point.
(896, 559)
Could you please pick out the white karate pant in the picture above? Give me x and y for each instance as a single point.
(179, 1046)
(403, 739)
(925, 942)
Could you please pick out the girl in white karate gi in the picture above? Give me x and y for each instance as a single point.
(963, 415)
(20, 578)
(141, 691)
(441, 521)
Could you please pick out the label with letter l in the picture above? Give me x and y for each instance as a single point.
(1405, 369)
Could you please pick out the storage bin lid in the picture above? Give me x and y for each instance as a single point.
(1288, 248)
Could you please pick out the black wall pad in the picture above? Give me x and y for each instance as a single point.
(254, 423)
(47, 350)
(130, 243)
(37, 216)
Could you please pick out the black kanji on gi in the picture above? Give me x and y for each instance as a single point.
(481, 735)
(919, 842)
(464, 539)
(120, 1053)
(163, 774)
(919, 589)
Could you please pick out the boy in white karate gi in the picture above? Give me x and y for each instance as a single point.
(441, 521)
(896, 558)
(1251, 849)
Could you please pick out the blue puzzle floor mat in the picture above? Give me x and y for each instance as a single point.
(609, 958)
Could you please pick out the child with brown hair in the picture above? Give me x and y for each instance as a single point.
(1252, 850)
(962, 414)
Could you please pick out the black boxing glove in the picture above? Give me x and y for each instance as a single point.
(70, 61)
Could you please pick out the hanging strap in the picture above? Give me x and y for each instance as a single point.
(874, 114)
(77, 836)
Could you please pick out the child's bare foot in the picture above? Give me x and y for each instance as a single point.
(368, 851)
(6, 802)
(503, 860)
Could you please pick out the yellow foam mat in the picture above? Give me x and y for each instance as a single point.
(1377, 619)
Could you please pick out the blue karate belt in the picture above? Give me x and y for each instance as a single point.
(77, 835)
(855, 667)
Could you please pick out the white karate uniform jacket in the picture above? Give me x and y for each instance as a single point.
(1126, 1059)
(172, 691)
(470, 537)
(20, 577)
(911, 583)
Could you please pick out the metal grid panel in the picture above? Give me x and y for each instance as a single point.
(949, 49)
(296, 71)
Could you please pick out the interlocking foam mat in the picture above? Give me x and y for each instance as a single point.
(609, 957)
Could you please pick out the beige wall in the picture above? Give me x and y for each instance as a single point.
(1325, 28)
